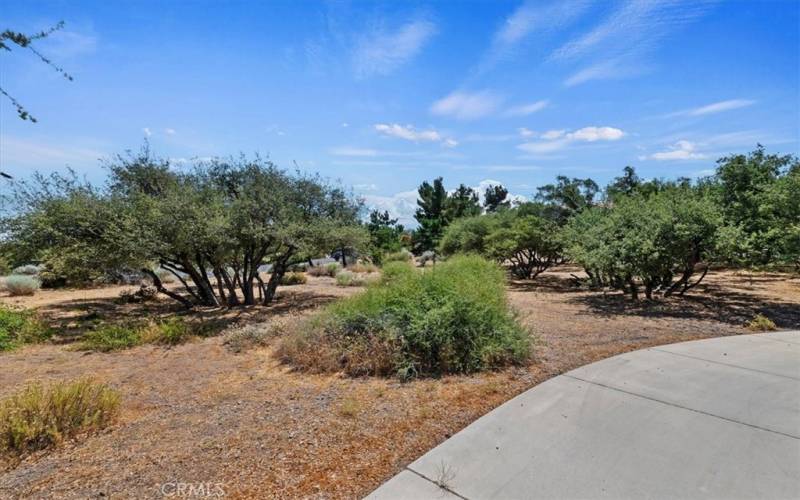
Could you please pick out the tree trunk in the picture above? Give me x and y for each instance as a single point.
(160, 287)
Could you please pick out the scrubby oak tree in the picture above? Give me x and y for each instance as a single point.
(213, 227)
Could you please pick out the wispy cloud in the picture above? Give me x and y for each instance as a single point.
(529, 20)
(717, 107)
(554, 140)
(410, 133)
(382, 51)
(169, 131)
(527, 109)
(18, 155)
(466, 105)
(620, 43)
(681, 150)
(147, 132)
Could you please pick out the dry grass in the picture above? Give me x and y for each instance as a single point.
(40, 416)
(198, 412)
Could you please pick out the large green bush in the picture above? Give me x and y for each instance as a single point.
(453, 318)
(653, 243)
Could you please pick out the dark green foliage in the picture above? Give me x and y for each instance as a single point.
(568, 196)
(463, 202)
(494, 198)
(453, 318)
(430, 215)
(384, 235)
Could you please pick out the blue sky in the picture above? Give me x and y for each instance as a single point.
(385, 95)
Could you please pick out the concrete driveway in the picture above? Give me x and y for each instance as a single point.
(716, 418)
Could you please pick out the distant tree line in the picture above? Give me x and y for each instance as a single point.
(216, 225)
(641, 236)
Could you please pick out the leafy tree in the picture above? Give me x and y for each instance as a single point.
(494, 198)
(758, 196)
(212, 227)
(463, 202)
(384, 234)
(654, 243)
(570, 196)
(528, 243)
(430, 215)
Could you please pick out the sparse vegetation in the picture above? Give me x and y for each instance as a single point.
(454, 319)
(761, 323)
(361, 267)
(18, 327)
(247, 337)
(114, 337)
(22, 284)
(40, 416)
(402, 255)
(294, 278)
(329, 270)
(346, 277)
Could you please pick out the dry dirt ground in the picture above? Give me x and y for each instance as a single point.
(245, 425)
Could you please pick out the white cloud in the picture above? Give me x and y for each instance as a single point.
(465, 105)
(348, 151)
(365, 187)
(592, 134)
(169, 131)
(718, 107)
(525, 132)
(681, 150)
(554, 140)
(527, 109)
(147, 132)
(381, 52)
(345, 124)
(409, 133)
(553, 134)
(401, 205)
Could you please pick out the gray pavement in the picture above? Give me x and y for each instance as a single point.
(716, 418)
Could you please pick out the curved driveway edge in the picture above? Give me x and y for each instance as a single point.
(714, 418)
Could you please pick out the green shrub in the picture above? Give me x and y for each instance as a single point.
(346, 277)
(761, 323)
(19, 327)
(402, 256)
(451, 319)
(115, 337)
(22, 284)
(112, 337)
(171, 331)
(294, 278)
(39, 417)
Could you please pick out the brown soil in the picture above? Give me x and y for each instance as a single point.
(197, 413)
